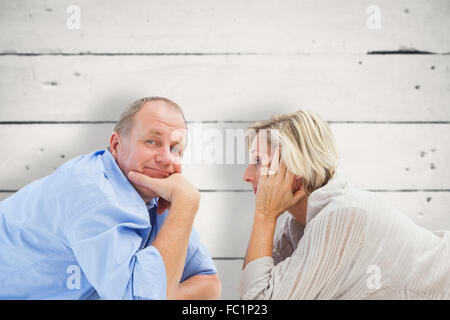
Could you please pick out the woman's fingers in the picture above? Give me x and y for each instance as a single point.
(275, 163)
(289, 179)
(288, 175)
(298, 194)
(264, 171)
(283, 170)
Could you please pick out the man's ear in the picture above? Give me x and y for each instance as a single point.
(114, 144)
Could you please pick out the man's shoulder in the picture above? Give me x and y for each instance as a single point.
(80, 177)
(76, 184)
(84, 167)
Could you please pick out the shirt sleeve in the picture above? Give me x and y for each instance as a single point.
(330, 241)
(198, 260)
(106, 241)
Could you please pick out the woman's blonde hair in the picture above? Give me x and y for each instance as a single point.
(307, 145)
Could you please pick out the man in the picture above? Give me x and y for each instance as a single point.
(98, 226)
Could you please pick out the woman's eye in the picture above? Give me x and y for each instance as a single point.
(258, 161)
(150, 141)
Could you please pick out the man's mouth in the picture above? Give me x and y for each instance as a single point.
(254, 190)
(155, 173)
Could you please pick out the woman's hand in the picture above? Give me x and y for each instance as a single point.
(274, 194)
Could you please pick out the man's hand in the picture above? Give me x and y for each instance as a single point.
(170, 189)
(173, 238)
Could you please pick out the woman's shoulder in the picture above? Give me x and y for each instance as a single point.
(341, 198)
(352, 199)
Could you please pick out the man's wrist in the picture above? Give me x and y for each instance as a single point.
(188, 204)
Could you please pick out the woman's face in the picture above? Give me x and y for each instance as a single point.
(260, 152)
(261, 156)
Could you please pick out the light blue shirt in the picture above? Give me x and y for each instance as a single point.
(84, 232)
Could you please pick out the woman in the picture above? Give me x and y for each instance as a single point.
(338, 242)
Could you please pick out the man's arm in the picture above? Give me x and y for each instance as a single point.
(172, 242)
(173, 238)
(200, 287)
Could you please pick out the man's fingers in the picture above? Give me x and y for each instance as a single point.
(142, 179)
(156, 185)
(163, 205)
(138, 177)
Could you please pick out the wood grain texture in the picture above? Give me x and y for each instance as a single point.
(224, 219)
(205, 26)
(430, 210)
(228, 88)
(228, 63)
(373, 156)
(229, 272)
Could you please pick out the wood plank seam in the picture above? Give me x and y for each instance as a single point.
(70, 54)
(218, 122)
(244, 190)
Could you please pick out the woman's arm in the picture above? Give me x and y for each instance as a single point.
(331, 245)
(261, 239)
(274, 195)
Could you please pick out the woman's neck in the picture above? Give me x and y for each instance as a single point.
(298, 210)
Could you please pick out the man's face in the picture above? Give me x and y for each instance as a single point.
(153, 146)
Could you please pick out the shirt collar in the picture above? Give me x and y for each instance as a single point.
(321, 197)
(152, 203)
(127, 193)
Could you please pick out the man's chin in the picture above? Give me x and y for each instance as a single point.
(146, 194)
(153, 173)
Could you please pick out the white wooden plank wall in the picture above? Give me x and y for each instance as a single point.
(385, 92)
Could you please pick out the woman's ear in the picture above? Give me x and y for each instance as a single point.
(298, 181)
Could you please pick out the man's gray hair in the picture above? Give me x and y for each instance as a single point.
(125, 122)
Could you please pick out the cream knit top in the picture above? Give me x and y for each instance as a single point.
(354, 246)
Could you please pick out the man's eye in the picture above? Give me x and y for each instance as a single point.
(258, 161)
(176, 150)
(151, 141)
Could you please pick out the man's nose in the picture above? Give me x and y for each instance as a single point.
(164, 156)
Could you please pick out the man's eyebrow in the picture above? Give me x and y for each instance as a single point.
(154, 132)
(180, 140)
